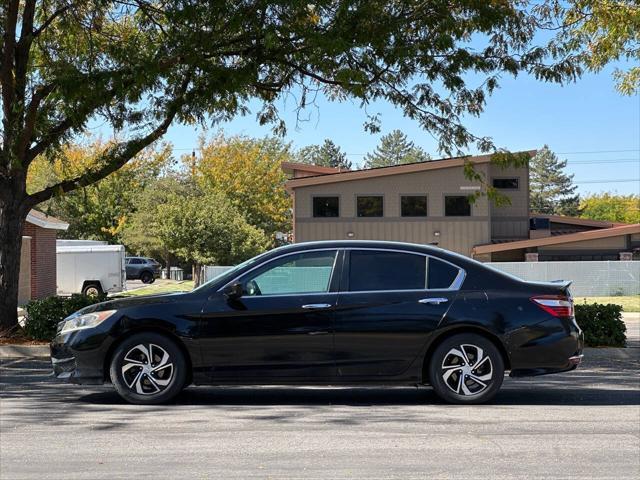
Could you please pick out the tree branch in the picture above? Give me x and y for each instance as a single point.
(116, 156)
(39, 95)
(51, 19)
(6, 68)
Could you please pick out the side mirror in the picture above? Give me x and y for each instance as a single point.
(233, 291)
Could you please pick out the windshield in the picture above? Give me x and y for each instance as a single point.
(229, 274)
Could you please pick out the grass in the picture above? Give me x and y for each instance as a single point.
(160, 286)
(629, 303)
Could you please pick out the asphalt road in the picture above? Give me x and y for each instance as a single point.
(583, 424)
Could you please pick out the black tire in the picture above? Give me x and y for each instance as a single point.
(146, 277)
(92, 289)
(460, 366)
(141, 384)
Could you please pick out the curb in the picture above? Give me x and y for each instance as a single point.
(28, 351)
(628, 353)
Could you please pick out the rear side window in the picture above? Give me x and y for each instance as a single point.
(379, 270)
(441, 274)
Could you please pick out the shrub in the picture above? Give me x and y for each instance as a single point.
(602, 324)
(43, 315)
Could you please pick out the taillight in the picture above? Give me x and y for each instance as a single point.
(556, 305)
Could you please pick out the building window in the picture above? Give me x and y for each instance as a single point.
(457, 206)
(369, 206)
(326, 206)
(505, 183)
(413, 205)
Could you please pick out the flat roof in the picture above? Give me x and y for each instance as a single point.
(559, 239)
(307, 167)
(586, 222)
(393, 170)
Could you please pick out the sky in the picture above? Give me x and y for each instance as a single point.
(588, 123)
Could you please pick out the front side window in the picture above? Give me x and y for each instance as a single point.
(369, 206)
(372, 270)
(413, 205)
(326, 207)
(441, 274)
(505, 183)
(307, 272)
(135, 261)
(457, 206)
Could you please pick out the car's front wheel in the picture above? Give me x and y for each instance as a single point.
(148, 368)
(466, 368)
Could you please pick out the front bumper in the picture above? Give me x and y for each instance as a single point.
(75, 365)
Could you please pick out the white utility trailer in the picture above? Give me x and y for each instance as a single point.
(89, 267)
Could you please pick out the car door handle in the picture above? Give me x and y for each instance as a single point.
(433, 301)
(318, 332)
(316, 306)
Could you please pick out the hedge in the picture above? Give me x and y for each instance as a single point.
(43, 315)
(602, 324)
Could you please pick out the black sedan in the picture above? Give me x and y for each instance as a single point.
(329, 313)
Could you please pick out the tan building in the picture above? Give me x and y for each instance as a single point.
(428, 203)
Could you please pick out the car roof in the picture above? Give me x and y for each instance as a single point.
(380, 244)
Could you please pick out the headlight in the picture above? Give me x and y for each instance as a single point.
(81, 322)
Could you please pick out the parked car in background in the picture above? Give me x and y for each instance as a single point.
(338, 312)
(89, 267)
(142, 268)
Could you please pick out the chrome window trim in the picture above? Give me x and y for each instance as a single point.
(333, 269)
(455, 285)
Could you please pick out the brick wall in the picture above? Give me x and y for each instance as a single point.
(43, 260)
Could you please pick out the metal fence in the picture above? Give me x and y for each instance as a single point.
(590, 279)
(210, 272)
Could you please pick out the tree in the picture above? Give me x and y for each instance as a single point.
(551, 190)
(248, 171)
(395, 149)
(177, 219)
(98, 211)
(136, 66)
(141, 231)
(206, 229)
(611, 207)
(326, 155)
(601, 32)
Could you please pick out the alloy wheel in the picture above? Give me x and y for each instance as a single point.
(147, 369)
(466, 370)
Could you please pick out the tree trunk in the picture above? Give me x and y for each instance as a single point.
(12, 218)
(196, 270)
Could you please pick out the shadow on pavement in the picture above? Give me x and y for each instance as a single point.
(30, 396)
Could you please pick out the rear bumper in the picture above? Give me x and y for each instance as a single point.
(552, 346)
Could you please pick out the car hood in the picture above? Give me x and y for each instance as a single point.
(121, 303)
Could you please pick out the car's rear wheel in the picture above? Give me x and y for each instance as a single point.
(146, 277)
(148, 368)
(466, 368)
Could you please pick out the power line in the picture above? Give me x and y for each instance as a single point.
(615, 180)
(598, 151)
